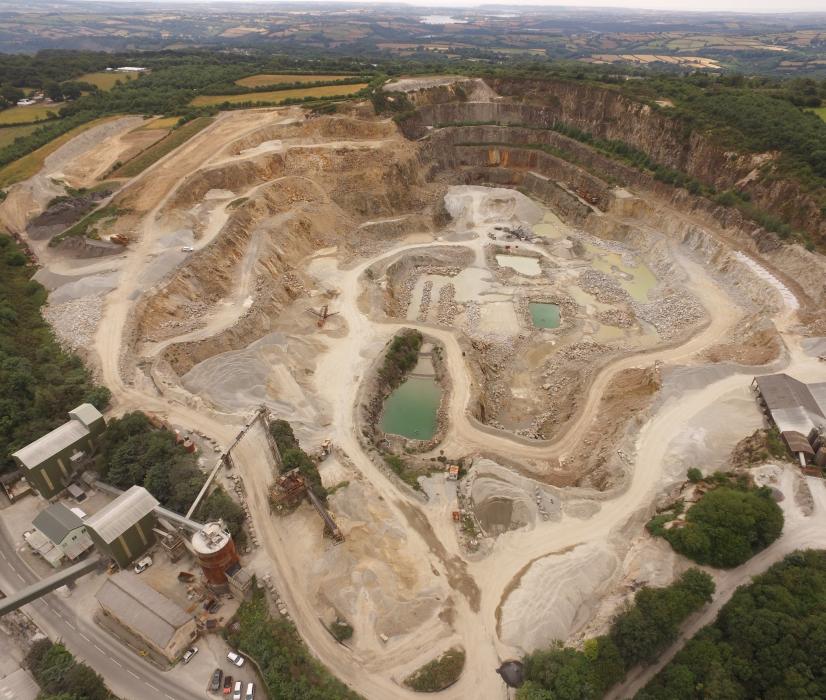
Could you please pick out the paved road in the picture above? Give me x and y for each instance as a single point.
(126, 674)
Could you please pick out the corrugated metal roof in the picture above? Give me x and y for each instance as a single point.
(50, 444)
(141, 608)
(86, 413)
(117, 517)
(56, 521)
(794, 405)
(797, 442)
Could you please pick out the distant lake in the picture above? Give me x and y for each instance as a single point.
(441, 19)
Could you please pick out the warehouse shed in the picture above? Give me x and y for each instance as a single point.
(51, 462)
(797, 409)
(158, 622)
(123, 529)
(64, 529)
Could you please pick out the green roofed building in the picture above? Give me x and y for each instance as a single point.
(51, 462)
(123, 529)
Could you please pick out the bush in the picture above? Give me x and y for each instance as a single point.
(694, 475)
(438, 674)
(727, 526)
(341, 631)
(59, 675)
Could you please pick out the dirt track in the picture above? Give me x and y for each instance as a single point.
(431, 538)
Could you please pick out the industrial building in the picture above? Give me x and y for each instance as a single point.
(52, 461)
(124, 529)
(797, 409)
(58, 532)
(215, 550)
(164, 627)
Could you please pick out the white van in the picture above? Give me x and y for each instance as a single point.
(250, 691)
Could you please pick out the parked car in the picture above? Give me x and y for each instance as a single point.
(250, 691)
(188, 654)
(215, 683)
(187, 249)
(235, 658)
(236, 691)
(227, 685)
(143, 565)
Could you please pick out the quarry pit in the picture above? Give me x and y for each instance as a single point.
(586, 332)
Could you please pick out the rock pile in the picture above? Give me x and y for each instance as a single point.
(603, 287)
(75, 322)
(671, 314)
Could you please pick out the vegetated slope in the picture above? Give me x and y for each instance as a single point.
(767, 641)
(637, 635)
(39, 382)
(290, 672)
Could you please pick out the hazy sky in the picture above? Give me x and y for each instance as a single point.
(679, 5)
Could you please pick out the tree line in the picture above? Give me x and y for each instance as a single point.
(637, 636)
(39, 381)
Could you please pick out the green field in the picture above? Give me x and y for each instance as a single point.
(10, 133)
(277, 96)
(276, 78)
(28, 115)
(105, 80)
(820, 112)
(159, 149)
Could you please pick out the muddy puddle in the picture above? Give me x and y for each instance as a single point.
(522, 264)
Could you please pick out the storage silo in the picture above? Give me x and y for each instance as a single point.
(215, 549)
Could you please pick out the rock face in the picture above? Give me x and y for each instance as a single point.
(668, 141)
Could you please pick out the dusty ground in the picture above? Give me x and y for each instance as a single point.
(287, 213)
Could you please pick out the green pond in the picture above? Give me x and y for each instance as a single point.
(412, 410)
(544, 315)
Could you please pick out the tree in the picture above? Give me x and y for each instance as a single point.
(11, 93)
(282, 433)
(53, 91)
(727, 526)
(694, 475)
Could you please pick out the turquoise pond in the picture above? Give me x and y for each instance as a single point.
(544, 315)
(412, 410)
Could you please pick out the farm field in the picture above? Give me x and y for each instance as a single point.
(276, 78)
(28, 115)
(161, 123)
(820, 112)
(277, 96)
(9, 134)
(105, 80)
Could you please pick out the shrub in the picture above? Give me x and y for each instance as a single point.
(438, 674)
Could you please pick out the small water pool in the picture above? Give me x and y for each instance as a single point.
(544, 315)
(412, 410)
(523, 264)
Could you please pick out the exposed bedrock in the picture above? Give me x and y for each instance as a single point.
(607, 114)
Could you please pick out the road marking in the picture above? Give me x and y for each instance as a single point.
(85, 637)
(116, 661)
(20, 577)
(99, 649)
(57, 613)
(2, 554)
(133, 674)
(169, 696)
(152, 686)
(69, 624)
